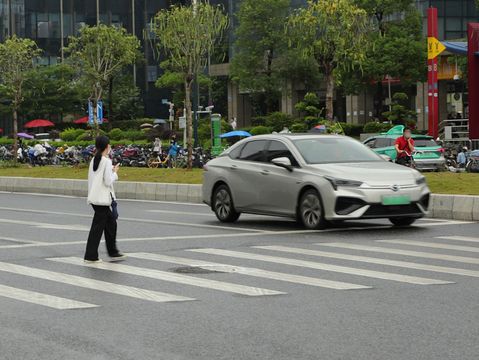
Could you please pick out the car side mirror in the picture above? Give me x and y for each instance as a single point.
(283, 162)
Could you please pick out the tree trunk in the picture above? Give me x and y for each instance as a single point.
(189, 123)
(96, 126)
(15, 137)
(379, 100)
(328, 74)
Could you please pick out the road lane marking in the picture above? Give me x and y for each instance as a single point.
(92, 284)
(210, 215)
(176, 278)
(432, 245)
(37, 298)
(445, 222)
(323, 266)
(459, 238)
(420, 254)
(44, 225)
(148, 221)
(21, 240)
(372, 260)
(297, 279)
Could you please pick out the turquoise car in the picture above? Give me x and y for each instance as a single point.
(429, 156)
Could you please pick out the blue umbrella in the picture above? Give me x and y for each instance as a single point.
(239, 133)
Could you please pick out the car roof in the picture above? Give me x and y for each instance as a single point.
(296, 136)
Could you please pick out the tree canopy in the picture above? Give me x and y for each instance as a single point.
(101, 52)
(186, 35)
(16, 60)
(334, 33)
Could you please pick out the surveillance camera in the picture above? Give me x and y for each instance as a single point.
(210, 108)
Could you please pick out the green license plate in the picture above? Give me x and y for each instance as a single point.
(396, 200)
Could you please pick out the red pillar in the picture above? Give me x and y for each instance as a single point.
(473, 79)
(432, 85)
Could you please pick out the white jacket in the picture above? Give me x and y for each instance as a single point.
(100, 183)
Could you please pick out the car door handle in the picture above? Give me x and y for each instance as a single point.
(265, 172)
(234, 167)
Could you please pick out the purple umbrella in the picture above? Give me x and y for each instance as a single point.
(24, 136)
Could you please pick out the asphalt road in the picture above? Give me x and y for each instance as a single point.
(262, 288)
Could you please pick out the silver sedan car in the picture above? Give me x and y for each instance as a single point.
(316, 179)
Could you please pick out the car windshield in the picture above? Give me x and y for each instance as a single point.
(425, 143)
(324, 150)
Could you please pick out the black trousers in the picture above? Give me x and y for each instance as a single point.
(103, 222)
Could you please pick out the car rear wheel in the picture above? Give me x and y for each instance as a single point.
(402, 221)
(310, 210)
(223, 205)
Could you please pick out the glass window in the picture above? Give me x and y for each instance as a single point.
(326, 150)
(235, 153)
(152, 73)
(371, 143)
(253, 151)
(277, 149)
(424, 143)
(454, 24)
(453, 8)
(382, 142)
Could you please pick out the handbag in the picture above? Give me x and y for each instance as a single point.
(114, 208)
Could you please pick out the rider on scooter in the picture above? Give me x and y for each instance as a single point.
(404, 147)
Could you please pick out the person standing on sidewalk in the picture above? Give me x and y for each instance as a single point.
(101, 196)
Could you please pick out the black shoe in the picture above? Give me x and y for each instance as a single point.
(117, 257)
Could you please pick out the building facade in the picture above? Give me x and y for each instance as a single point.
(51, 22)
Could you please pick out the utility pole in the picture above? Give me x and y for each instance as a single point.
(196, 91)
(97, 12)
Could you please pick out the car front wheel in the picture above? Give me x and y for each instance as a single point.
(223, 205)
(310, 210)
(402, 221)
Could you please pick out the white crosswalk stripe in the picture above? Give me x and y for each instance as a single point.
(37, 298)
(432, 245)
(177, 278)
(420, 254)
(297, 279)
(459, 238)
(92, 284)
(372, 260)
(322, 266)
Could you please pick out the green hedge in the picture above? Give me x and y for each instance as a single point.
(260, 130)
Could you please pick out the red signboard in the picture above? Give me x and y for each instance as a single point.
(473, 76)
(432, 85)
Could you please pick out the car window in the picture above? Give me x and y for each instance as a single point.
(235, 153)
(371, 143)
(326, 150)
(424, 142)
(253, 151)
(277, 149)
(382, 142)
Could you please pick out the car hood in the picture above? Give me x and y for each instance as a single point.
(371, 173)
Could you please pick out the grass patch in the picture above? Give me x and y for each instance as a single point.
(453, 183)
(439, 183)
(178, 176)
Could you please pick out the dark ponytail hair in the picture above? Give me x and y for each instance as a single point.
(101, 143)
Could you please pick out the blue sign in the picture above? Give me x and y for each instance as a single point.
(99, 113)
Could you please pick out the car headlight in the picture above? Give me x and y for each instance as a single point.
(335, 182)
(421, 180)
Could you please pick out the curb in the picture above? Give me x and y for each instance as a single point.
(124, 189)
(456, 207)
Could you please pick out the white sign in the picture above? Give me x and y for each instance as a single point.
(182, 122)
